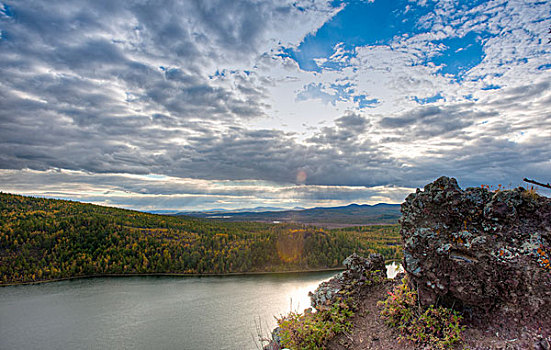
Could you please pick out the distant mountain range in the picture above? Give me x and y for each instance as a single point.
(220, 211)
(353, 214)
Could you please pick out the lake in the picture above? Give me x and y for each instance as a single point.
(150, 312)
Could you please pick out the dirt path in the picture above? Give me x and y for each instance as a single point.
(370, 332)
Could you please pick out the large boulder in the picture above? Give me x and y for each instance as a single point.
(477, 249)
(359, 272)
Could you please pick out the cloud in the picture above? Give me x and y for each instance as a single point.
(435, 121)
(212, 96)
(152, 192)
(315, 91)
(115, 86)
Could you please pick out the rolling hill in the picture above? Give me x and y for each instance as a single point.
(47, 239)
(353, 214)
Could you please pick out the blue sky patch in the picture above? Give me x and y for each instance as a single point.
(336, 92)
(342, 89)
(5, 10)
(364, 23)
(364, 102)
(461, 54)
(360, 23)
(427, 100)
(491, 87)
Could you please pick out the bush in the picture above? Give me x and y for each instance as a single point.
(310, 331)
(437, 326)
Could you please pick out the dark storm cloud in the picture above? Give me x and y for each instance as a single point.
(352, 121)
(272, 155)
(344, 135)
(431, 121)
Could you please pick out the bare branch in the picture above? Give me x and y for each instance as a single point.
(536, 183)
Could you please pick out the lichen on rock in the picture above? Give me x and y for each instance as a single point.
(479, 250)
(359, 272)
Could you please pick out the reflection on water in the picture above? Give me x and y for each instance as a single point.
(150, 312)
(393, 269)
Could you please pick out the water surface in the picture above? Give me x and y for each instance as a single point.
(151, 312)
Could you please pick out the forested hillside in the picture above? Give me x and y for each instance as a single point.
(42, 239)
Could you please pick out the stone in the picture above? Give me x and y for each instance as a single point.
(359, 272)
(544, 344)
(275, 343)
(479, 250)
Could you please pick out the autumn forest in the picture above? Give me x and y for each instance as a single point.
(46, 239)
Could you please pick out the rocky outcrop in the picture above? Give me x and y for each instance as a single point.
(477, 249)
(359, 272)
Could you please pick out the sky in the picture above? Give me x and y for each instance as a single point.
(197, 105)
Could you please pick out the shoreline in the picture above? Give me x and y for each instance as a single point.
(173, 274)
(178, 274)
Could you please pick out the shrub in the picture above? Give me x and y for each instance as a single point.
(310, 331)
(437, 326)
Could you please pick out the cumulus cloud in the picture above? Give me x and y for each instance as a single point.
(97, 96)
